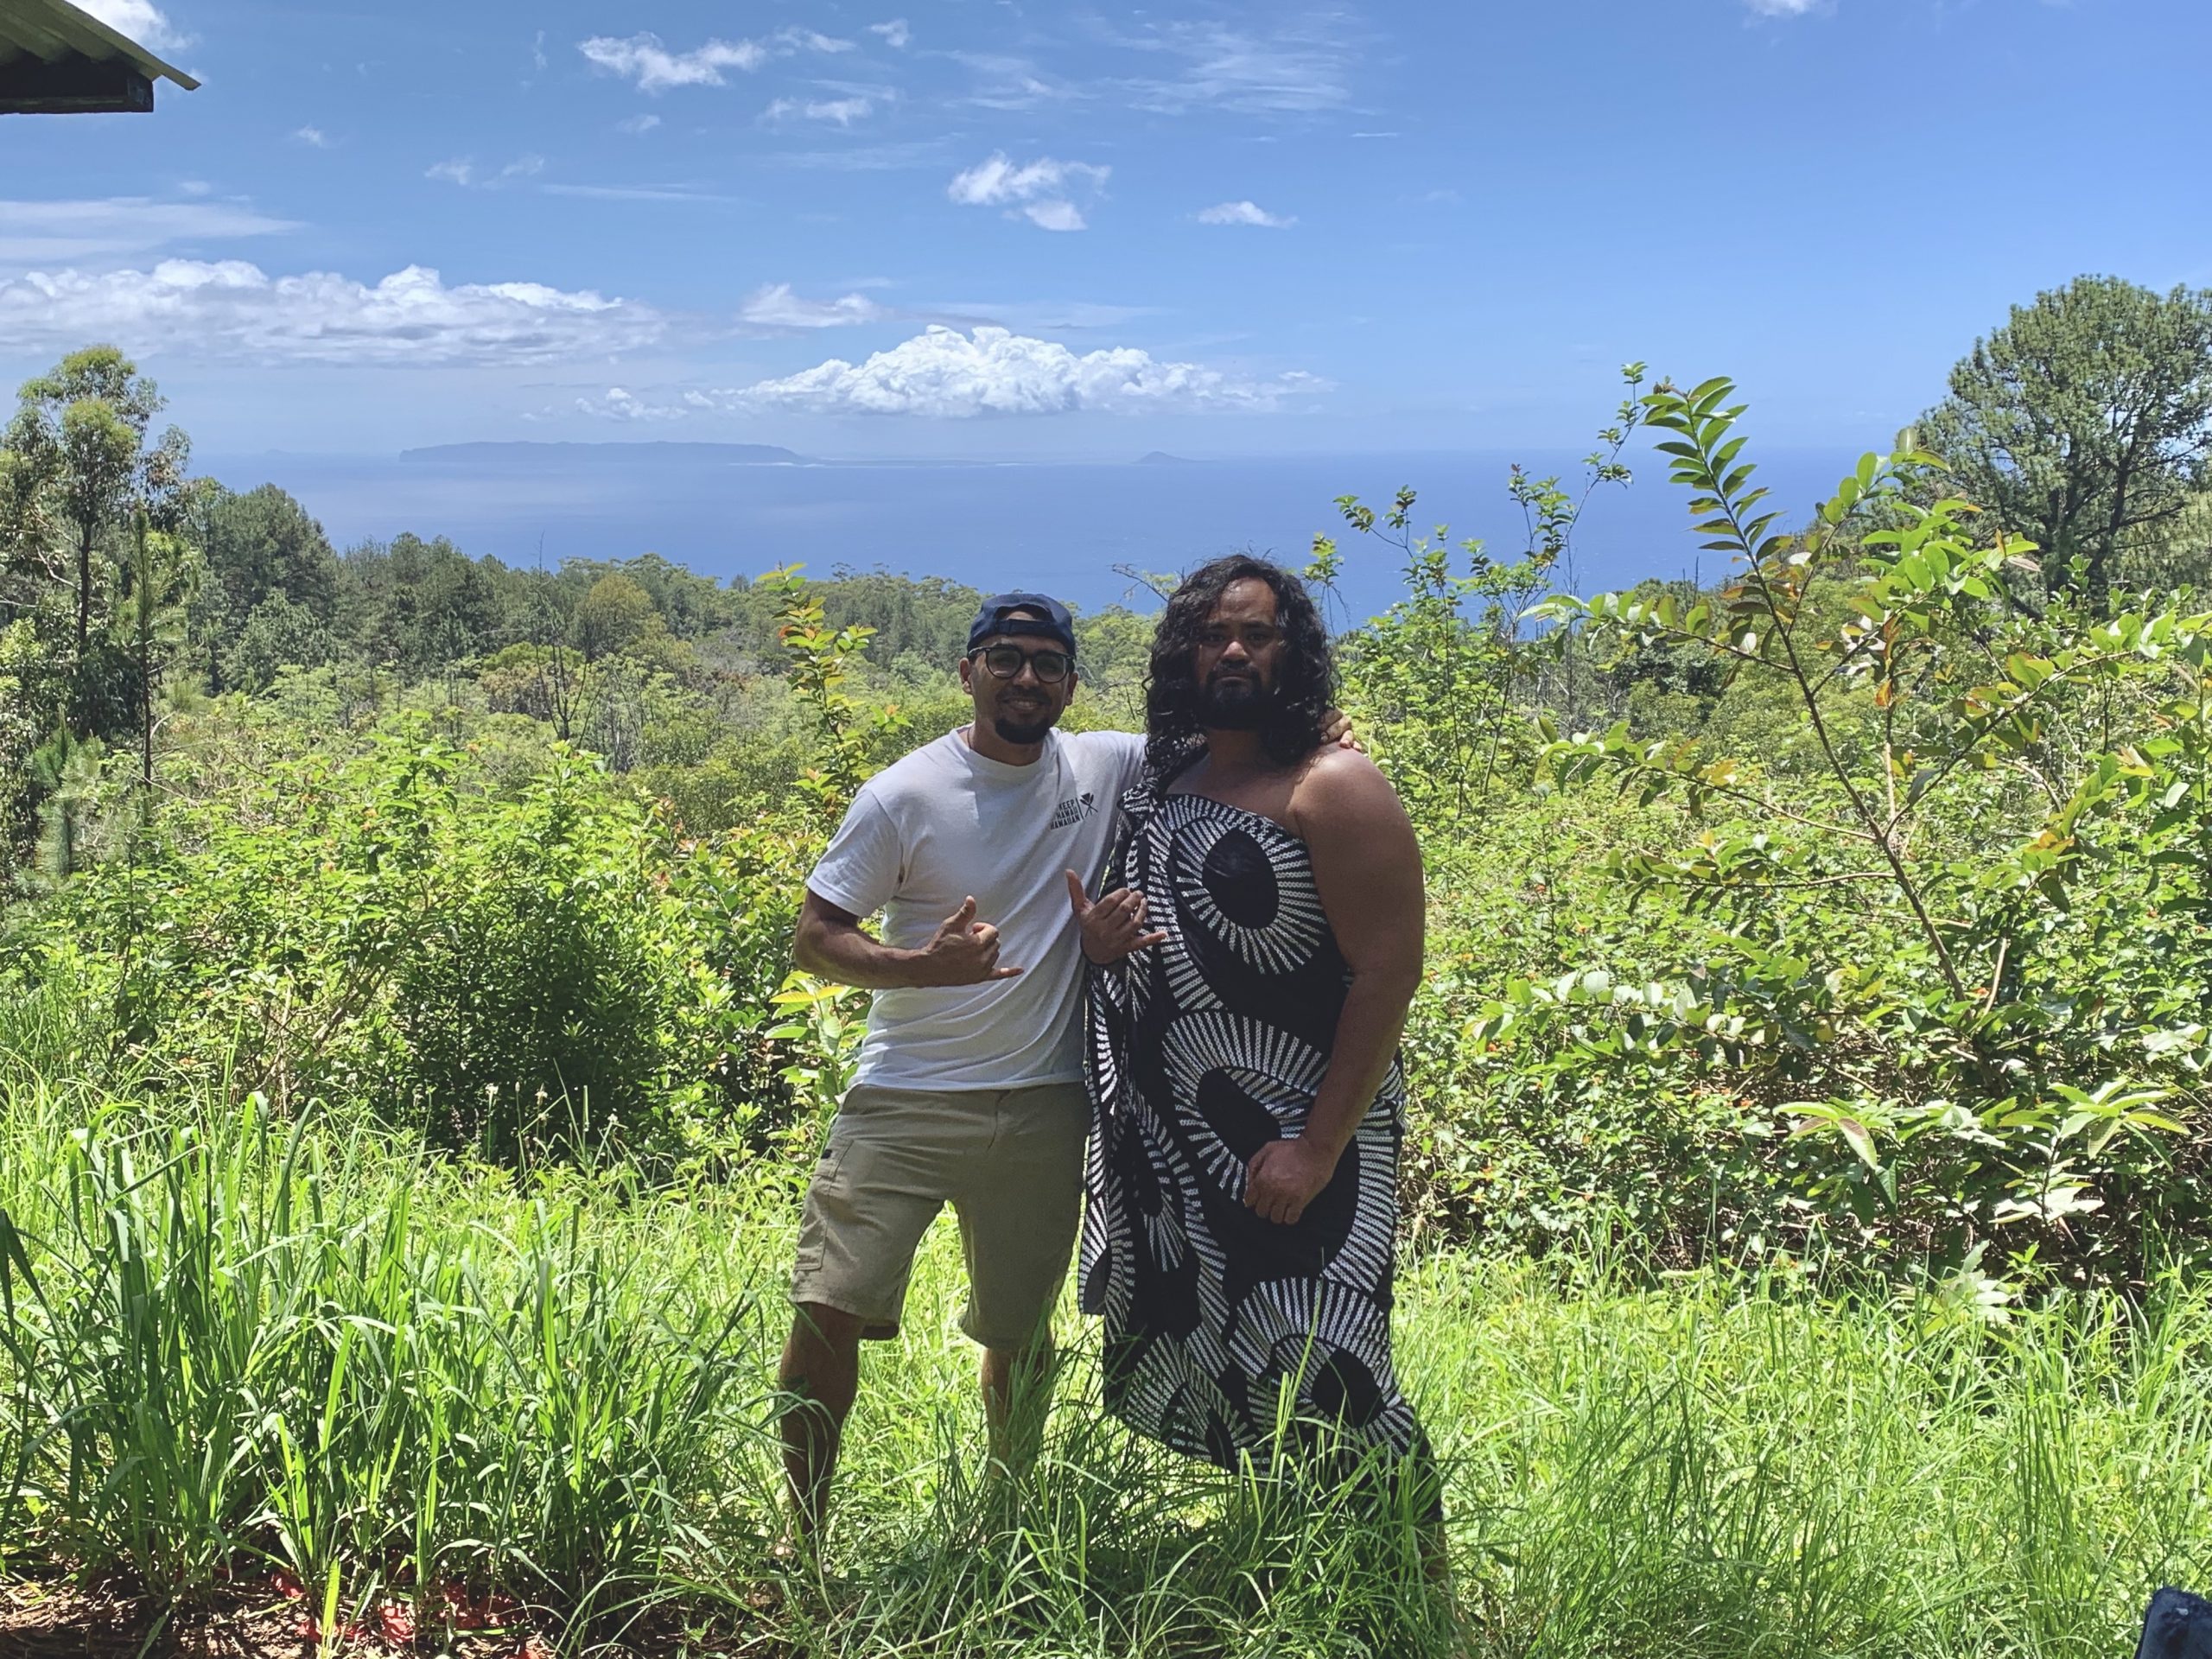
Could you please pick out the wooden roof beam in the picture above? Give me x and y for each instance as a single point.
(74, 84)
(55, 58)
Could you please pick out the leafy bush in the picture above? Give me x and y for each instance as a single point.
(1953, 947)
(550, 968)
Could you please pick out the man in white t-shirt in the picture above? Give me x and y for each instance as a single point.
(969, 1085)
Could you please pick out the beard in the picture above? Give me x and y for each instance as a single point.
(1022, 732)
(1235, 704)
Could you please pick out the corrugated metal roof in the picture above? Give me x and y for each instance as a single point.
(51, 43)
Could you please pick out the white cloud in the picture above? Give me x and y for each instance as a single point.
(1786, 8)
(1004, 82)
(637, 124)
(233, 309)
(620, 403)
(944, 374)
(463, 172)
(895, 33)
(776, 307)
(996, 181)
(806, 40)
(1037, 190)
(1244, 212)
(35, 231)
(644, 59)
(141, 21)
(1297, 67)
(314, 138)
(842, 111)
(1055, 216)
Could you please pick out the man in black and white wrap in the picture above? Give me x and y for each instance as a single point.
(1252, 965)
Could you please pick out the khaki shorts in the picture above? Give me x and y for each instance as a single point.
(1010, 1163)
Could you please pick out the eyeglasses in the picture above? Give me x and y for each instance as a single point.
(1006, 662)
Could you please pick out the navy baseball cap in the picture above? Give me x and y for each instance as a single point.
(1052, 621)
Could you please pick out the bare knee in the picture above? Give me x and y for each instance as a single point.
(1035, 1355)
(822, 1356)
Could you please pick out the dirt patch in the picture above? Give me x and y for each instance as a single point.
(56, 1619)
(61, 1621)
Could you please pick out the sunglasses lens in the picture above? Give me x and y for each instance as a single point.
(1005, 663)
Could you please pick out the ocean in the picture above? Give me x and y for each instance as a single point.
(1063, 528)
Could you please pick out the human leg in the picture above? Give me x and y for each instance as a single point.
(1017, 1391)
(879, 1183)
(821, 1371)
(1018, 1226)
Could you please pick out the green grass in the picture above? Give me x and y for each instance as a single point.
(235, 1343)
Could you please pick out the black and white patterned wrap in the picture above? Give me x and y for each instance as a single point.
(1223, 1328)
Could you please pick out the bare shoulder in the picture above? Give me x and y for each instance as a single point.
(1340, 784)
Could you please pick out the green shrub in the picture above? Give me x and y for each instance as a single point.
(548, 967)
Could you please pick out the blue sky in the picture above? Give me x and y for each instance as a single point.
(973, 227)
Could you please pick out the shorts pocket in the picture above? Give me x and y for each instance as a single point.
(821, 1190)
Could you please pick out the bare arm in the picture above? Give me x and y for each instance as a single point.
(1366, 867)
(831, 945)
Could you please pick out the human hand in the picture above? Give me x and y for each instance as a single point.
(962, 950)
(1335, 728)
(1113, 925)
(1284, 1176)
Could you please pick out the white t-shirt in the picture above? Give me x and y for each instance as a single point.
(945, 822)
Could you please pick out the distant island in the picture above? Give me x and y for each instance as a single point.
(549, 455)
(1162, 458)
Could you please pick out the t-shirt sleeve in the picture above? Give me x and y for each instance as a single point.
(1126, 750)
(860, 869)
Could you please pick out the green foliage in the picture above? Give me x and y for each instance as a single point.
(1435, 677)
(2085, 424)
(549, 970)
(821, 659)
(232, 1343)
(68, 775)
(613, 612)
(271, 590)
(421, 605)
(1440, 679)
(78, 438)
(279, 633)
(32, 693)
(1918, 971)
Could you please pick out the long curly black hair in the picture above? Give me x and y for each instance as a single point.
(1305, 689)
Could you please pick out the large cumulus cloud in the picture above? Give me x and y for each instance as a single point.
(230, 309)
(944, 373)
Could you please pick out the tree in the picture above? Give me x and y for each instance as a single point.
(279, 634)
(422, 605)
(691, 605)
(613, 612)
(28, 545)
(259, 547)
(80, 431)
(2085, 424)
(158, 584)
